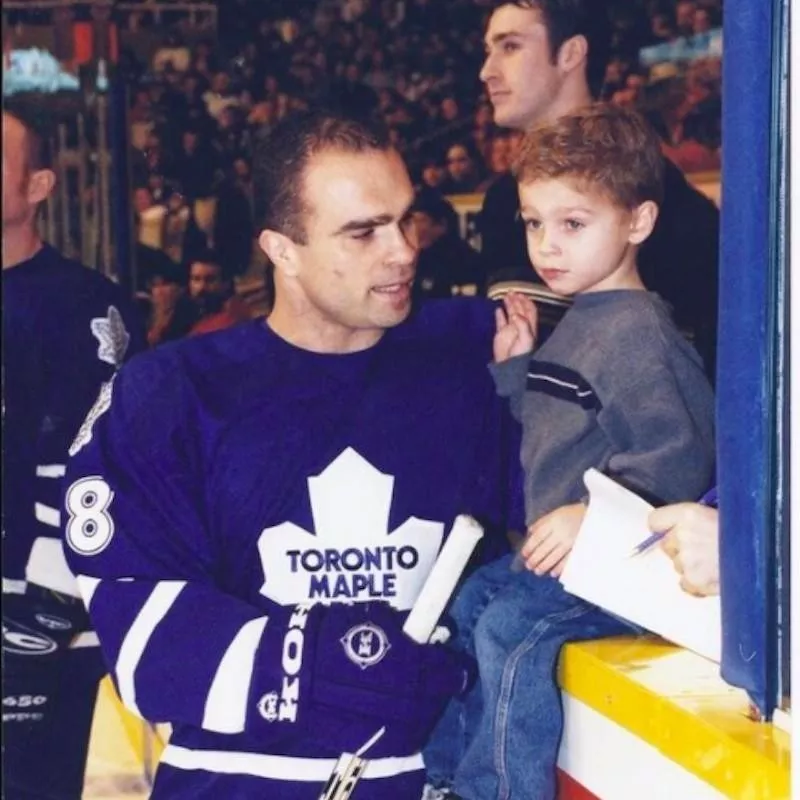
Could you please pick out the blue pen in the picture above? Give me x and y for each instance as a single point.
(708, 499)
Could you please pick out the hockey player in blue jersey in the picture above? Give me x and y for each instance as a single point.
(253, 512)
(65, 330)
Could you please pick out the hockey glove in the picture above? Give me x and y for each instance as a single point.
(348, 670)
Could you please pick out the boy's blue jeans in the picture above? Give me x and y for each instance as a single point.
(501, 741)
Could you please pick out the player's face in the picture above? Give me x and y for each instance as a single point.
(16, 208)
(356, 268)
(580, 241)
(520, 77)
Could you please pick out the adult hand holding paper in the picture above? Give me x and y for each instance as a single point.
(644, 590)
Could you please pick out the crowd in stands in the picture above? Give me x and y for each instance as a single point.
(200, 102)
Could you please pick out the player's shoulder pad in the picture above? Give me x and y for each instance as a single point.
(194, 359)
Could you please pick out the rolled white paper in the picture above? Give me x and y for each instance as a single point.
(447, 569)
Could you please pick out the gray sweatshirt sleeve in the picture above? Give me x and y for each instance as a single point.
(664, 447)
(510, 377)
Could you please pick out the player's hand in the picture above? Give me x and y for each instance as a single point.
(365, 673)
(516, 325)
(692, 542)
(550, 539)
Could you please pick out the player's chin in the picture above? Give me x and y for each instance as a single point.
(507, 115)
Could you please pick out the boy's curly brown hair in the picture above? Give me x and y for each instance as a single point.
(602, 148)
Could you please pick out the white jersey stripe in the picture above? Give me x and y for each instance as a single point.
(87, 587)
(51, 470)
(47, 567)
(226, 704)
(11, 586)
(281, 768)
(134, 644)
(47, 515)
(85, 639)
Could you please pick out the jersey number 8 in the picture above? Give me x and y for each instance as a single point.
(90, 527)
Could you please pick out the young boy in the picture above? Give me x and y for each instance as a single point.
(615, 387)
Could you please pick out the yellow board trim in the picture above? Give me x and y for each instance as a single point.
(144, 739)
(676, 702)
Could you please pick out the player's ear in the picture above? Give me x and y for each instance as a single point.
(40, 183)
(643, 220)
(280, 250)
(572, 53)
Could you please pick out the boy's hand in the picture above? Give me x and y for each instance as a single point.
(550, 539)
(516, 327)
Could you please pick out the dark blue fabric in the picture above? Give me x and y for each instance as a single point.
(744, 403)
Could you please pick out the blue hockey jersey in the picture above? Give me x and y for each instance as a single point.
(227, 478)
(66, 329)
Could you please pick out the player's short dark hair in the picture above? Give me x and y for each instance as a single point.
(38, 124)
(281, 157)
(603, 148)
(567, 18)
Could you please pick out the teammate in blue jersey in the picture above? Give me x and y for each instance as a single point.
(65, 330)
(252, 513)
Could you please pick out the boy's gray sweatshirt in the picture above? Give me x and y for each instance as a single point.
(618, 388)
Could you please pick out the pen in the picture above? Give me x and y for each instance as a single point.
(708, 499)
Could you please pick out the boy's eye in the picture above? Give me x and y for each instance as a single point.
(364, 235)
(574, 224)
(532, 224)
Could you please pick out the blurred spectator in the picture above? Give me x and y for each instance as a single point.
(195, 165)
(464, 169)
(170, 318)
(182, 236)
(215, 306)
(234, 227)
(500, 158)
(662, 28)
(219, 96)
(684, 17)
(433, 172)
(173, 52)
(447, 265)
(698, 150)
(158, 187)
(149, 218)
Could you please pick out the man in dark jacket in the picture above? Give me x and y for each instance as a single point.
(447, 265)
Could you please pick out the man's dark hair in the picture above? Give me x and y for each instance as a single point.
(281, 157)
(567, 18)
(38, 123)
(206, 255)
(162, 267)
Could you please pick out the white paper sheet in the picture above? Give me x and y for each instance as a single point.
(644, 589)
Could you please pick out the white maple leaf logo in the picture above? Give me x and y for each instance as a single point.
(112, 337)
(353, 557)
(101, 405)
